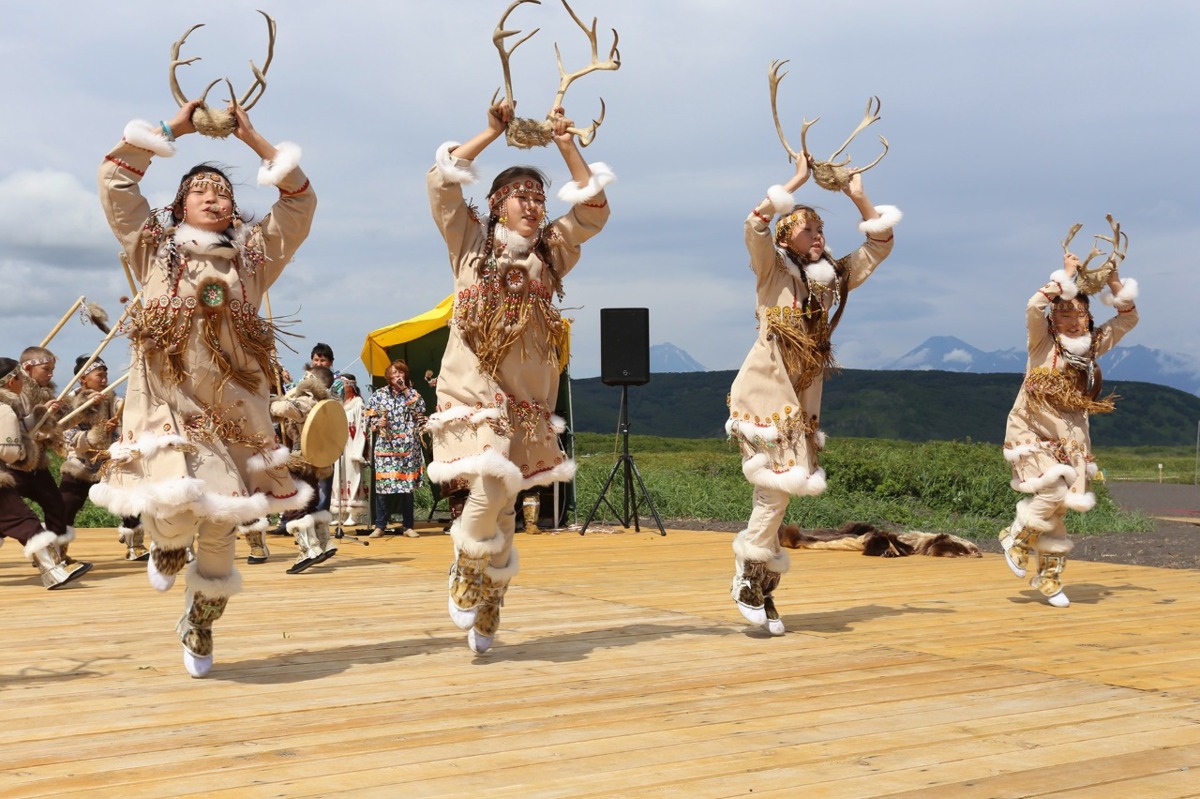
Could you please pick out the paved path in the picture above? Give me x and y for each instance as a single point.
(1167, 500)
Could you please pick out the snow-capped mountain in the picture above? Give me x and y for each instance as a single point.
(667, 357)
(950, 354)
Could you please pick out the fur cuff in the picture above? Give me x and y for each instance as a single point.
(287, 158)
(66, 537)
(562, 473)
(889, 217)
(473, 548)
(776, 560)
(781, 199)
(1066, 284)
(43, 540)
(273, 459)
(213, 586)
(257, 526)
(454, 170)
(575, 194)
(1080, 502)
(486, 464)
(795, 481)
(148, 136)
(1123, 299)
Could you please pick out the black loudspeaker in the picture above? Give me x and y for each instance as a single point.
(624, 346)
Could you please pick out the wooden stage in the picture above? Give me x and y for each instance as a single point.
(621, 670)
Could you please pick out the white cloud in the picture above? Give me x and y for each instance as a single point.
(958, 356)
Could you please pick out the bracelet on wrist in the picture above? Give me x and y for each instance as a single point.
(166, 129)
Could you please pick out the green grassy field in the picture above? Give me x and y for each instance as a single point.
(937, 486)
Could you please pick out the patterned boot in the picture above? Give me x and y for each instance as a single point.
(769, 584)
(204, 603)
(1048, 579)
(487, 614)
(471, 559)
(256, 538)
(134, 540)
(747, 590)
(304, 530)
(322, 519)
(163, 566)
(56, 571)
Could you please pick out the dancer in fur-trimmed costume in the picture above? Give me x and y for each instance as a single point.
(198, 455)
(493, 426)
(775, 400)
(1047, 440)
(308, 525)
(88, 440)
(20, 456)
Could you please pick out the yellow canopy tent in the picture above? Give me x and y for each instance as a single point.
(421, 342)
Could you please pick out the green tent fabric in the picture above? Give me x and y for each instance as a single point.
(421, 342)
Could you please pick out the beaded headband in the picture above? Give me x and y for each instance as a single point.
(523, 186)
(16, 370)
(799, 215)
(93, 366)
(204, 180)
(40, 361)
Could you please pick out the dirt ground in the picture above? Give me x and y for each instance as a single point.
(1174, 544)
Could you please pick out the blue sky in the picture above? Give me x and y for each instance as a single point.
(1008, 122)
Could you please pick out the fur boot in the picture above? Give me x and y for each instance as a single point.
(322, 519)
(756, 574)
(304, 530)
(134, 539)
(255, 535)
(487, 612)
(1051, 560)
(56, 571)
(205, 602)
(471, 560)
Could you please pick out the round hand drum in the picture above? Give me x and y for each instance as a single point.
(325, 433)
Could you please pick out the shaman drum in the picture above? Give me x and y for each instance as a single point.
(325, 433)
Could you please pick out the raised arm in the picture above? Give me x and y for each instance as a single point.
(779, 200)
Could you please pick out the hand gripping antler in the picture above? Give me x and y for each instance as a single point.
(538, 133)
(827, 174)
(219, 123)
(1090, 281)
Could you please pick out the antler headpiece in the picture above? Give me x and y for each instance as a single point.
(827, 174)
(527, 133)
(1090, 281)
(219, 122)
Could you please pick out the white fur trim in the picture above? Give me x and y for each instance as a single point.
(213, 586)
(575, 194)
(146, 446)
(472, 548)
(750, 432)
(781, 199)
(487, 464)
(821, 272)
(1123, 299)
(889, 217)
(287, 158)
(1014, 454)
(508, 571)
(1066, 284)
(557, 423)
(796, 481)
(454, 170)
(43, 540)
(1080, 502)
(148, 136)
(561, 473)
(257, 526)
(67, 537)
(1077, 345)
(1060, 471)
(439, 421)
(776, 560)
(272, 460)
(1054, 546)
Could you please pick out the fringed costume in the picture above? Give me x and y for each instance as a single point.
(494, 426)
(197, 454)
(775, 400)
(349, 501)
(1047, 439)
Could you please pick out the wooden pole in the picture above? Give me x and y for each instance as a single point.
(62, 322)
(107, 390)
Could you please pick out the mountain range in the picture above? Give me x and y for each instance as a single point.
(950, 354)
(1143, 364)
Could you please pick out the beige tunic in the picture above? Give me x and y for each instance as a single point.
(197, 441)
(503, 311)
(1047, 436)
(776, 425)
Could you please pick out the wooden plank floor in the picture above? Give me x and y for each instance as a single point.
(621, 670)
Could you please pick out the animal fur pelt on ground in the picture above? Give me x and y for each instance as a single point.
(870, 540)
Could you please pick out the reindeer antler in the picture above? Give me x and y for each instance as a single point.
(537, 133)
(498, 37)
(220, 123)
(869, 118)
(1091, 281)
(775, 77)
(260, 76)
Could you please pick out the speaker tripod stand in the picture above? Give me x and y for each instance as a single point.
(628, 470)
